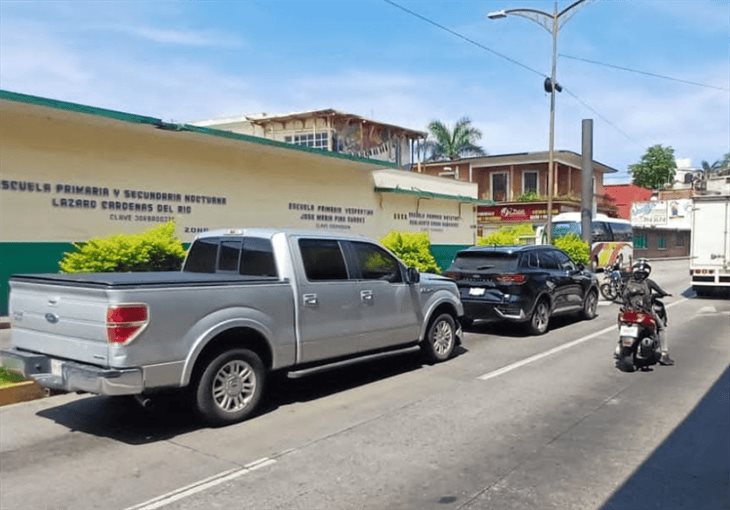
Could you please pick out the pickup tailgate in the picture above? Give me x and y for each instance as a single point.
(60, 321)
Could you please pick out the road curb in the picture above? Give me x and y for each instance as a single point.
(20, 392)
(4, 322)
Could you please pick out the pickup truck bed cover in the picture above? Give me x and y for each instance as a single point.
(133, 280)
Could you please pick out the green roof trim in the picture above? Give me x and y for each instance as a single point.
(78, 108)
(429, 194)
(171, 126)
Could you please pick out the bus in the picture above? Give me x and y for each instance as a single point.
(612, 239)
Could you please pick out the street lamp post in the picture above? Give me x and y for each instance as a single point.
(552, 23)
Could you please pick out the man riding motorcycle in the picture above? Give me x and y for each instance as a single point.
(638, 294)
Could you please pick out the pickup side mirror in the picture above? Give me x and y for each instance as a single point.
(413, 275)
(581, 267)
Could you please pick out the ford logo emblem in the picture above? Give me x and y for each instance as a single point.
(52, 318)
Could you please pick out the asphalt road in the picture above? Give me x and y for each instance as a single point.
(513, 422)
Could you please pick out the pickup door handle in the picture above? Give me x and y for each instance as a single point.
(367, 296)
(310, 300)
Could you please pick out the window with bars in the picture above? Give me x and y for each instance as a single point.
(639, 241)
(313, 140)
(661, 241)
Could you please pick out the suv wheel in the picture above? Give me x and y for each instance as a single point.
(590, 305)
(540, 318)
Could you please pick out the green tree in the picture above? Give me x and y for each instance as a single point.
(708, 168)
(719, 167)
(656, 168)
(156, 249)
(508, 235)
(413, 248)
(447, 144)
(576, 248)
(725, 161)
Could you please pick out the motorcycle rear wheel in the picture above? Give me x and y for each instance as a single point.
(626, 363)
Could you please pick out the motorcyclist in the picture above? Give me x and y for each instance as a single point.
(638, 293)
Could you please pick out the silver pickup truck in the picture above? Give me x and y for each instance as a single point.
(247, 302)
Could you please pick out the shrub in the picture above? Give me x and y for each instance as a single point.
(156, 249)
(530, 196)
(413, 248)
(575, 247)
(507, 236)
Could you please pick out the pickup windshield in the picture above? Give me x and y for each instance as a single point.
(250, 256)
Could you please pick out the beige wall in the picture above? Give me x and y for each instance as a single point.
(247, 184)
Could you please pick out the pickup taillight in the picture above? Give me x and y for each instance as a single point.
(454, 275)
(511, 279)
(125, 322)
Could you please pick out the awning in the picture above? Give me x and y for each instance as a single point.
(429, 194)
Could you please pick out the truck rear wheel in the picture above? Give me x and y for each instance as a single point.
(440, 338)
(229, 387)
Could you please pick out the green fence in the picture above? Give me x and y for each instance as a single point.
(27, 258)
(444, 253)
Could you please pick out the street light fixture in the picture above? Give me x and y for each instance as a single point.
(552, 23)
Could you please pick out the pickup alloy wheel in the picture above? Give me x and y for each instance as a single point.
(230, 387)
(440, 338)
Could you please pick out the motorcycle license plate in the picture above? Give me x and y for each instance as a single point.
(476, 291)
(632, 331)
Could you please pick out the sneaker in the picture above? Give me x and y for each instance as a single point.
(666, 360)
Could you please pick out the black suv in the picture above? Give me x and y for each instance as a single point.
(527, 284)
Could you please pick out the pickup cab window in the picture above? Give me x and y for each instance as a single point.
(323, 260)
(376, 264)
(250, 256)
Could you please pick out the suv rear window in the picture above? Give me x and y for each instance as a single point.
(485, 261)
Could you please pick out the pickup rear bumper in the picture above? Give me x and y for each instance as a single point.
(72, 376)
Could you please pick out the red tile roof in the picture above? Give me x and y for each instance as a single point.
(622, 195)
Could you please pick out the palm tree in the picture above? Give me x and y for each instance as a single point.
(446, 144)
(708, 169)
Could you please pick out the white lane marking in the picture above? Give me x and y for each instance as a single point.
(708, 309)
(605, 303)
(550, 352)
(201, 485)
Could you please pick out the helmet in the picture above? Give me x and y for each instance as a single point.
(641, 269)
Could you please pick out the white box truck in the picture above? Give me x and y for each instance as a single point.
(709, 266)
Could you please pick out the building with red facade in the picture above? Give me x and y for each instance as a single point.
(517, 184)
(622, 196)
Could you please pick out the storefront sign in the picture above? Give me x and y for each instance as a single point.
(674, 214)
(513, 213)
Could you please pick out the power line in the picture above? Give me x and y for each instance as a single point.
(604, 119)
(465, 38)
(647, 73)
(501, 55)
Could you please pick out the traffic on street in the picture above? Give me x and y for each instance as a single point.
(512, 421)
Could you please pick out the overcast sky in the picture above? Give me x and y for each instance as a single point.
(187, 61)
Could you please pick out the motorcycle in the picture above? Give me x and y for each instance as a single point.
(639, 336)
(614, 287)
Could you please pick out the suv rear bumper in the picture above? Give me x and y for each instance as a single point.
(475, 309)
(72, 376)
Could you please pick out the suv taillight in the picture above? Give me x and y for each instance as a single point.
(125, 322)
(511, 279)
